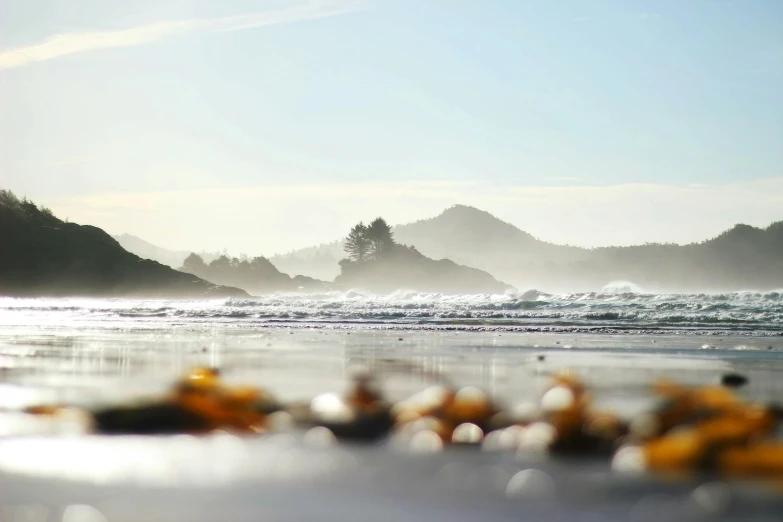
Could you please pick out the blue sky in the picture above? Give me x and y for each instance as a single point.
(106, 101)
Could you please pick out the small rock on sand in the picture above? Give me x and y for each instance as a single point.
(733, 380)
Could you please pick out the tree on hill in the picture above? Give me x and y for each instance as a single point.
(194, 264)
(357, 244)
(381, 238)
(369, 242)
(223, 263)
(262, 265)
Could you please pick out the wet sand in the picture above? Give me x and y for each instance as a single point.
(284, 478)
(98, 366)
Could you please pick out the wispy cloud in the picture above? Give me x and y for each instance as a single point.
(60, 45)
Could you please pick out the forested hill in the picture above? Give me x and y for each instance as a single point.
(42, 255)
(257, 275)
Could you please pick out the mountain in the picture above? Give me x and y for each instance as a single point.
(477, 238)
(257, 275)
(742, 258)
(461, 233)
(464, 234)
(462, 230)
(146, 250)
(44, 256)
(319, 261)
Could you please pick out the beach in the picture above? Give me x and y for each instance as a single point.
(80, 358)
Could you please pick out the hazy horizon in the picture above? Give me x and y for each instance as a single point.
(340, 234)
(266, 126)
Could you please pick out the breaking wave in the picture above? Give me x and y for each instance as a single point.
(620, 306)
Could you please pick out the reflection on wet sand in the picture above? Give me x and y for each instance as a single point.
(498, 393)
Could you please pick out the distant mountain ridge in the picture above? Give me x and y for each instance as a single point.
(462, 224)
(466, 233)
(146, 250)
(320, 262)
(743, 257)
(449, 235)
(405, 268)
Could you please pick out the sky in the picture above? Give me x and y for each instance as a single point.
(260, 126)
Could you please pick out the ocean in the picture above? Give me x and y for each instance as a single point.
(97, 352)
(740, 313)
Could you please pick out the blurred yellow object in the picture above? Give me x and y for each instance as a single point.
(203, 377)
(690, 447)
(683, 405)
(764, 460)
(44, 410)
(363, 393)
(202, 394)
(694, 430)
(565, 405)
